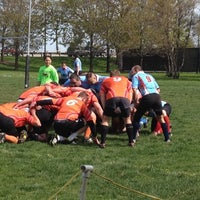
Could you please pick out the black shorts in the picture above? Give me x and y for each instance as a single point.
(46, 118)
(167, 107)
(7, 125)
(117, 102)
(148, 102)
(67, 127)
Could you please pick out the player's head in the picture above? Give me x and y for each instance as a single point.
(91, 78)
(75, 80)
(114, 73)
(136, 69)
(84, 96)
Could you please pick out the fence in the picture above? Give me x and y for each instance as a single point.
(158, 62)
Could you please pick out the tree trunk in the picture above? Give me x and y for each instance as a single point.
(17, 54)
(119, 59)
(91, 53)
(108, 58)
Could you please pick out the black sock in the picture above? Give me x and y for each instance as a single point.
(104, 131)
(136, 126)
(165, 131)
(129, 130)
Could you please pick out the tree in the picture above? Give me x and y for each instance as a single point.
(84, 15)
(14, 25)
(175, 20)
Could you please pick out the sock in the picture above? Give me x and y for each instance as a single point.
(60, 138)
(87, 133)
(158, 128)
(136, 126)
(72, 136)
(104, 131)
(129, 130)
(165, 131)
(167, 121)
(11, 138)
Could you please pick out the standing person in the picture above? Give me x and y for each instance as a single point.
(116, 97)
(47, 73)
(77, 65)
(64, 73)
(149, 89)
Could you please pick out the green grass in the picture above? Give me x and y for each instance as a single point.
(99, 64)
(35, 170)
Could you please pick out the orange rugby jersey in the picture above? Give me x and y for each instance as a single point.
(71, 108)
(116, 86)
(34, 91)
(37, 90)
(91, 100)
(21, 117)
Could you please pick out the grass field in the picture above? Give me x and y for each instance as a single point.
(151, 170)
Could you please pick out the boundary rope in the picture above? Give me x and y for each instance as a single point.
(107, 179)
(65, 185)
(129, 189)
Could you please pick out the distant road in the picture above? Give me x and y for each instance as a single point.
(41, 54)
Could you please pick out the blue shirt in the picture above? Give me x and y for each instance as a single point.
(65, 72)
(145, 83)
(84, 83)
(97, 85)
(77, 64)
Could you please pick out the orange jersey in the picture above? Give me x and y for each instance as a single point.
(116, 86)
(34, 91)
(63, 91)
(91, 100)
(21, 117)
(71, 108)
(38, 90)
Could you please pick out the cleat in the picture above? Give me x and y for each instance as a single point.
(102, 146)
(23, 136)
(131, 144)
(95, 141)
(168, 141)
(2, 138)
(88, 141)
(53, 141)
(74, 141)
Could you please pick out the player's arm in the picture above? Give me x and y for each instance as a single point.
(36, 103)
(135, 96)
(35, 121)
(53, 92)
(26, 101)
(98, 109)
(102, 98)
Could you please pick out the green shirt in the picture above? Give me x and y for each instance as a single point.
(47, 74)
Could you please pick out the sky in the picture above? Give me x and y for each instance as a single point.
(52, 48)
